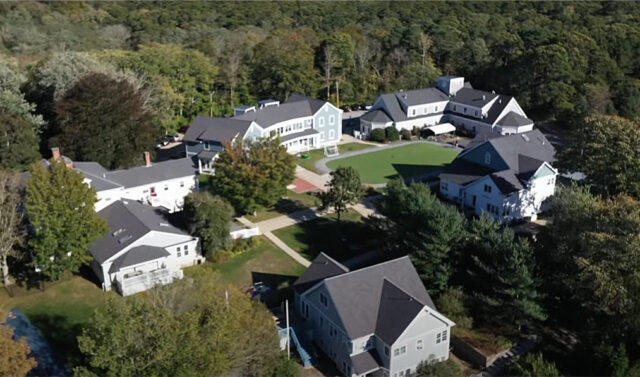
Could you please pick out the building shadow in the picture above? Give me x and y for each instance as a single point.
(279, 287)
(171, 153)
(414, 172)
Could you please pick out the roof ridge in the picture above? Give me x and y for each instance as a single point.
(342, 266)
(384, 278)
(368, 267)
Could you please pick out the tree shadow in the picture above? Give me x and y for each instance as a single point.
(413, 172)
(280, 286)
(25, 276)
(62, 337)
(174, 152)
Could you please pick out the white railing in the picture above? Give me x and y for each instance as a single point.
(145, 281)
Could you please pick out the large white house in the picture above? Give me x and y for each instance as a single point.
(141, 250)
(453, 101)
(376, 321)
(160, 184)
(509, 177)
(302, 123)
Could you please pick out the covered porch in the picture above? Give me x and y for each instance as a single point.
(142, 268)
(301, 141)
(206, 162)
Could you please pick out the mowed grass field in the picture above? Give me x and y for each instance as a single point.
(407, 161)
(318, 154)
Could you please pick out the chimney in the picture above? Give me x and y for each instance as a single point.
(147, 159)
(55, 151)
(484, 97)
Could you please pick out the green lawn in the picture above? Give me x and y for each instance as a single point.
(318, 154)
(293, 202)
(407, 161)
(341, 240)
(263, 258)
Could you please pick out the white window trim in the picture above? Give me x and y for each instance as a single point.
(321, 122)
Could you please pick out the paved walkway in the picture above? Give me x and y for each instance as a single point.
(321, 165)
(315, 179)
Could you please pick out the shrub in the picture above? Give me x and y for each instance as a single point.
(451, 304)
(392, 133)
(378, 135)
(406, 134)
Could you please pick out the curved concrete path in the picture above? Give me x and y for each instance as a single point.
(321, 165)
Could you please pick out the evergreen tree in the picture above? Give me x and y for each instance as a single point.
(208, 217)
(345, 188)
(60, 209)
(18, 143)
(499, 273)
(534, 365)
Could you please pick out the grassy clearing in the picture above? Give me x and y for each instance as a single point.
(407, 161)
(318, 154)
(291, 203)
(341, 240)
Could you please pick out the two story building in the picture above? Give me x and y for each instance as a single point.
(375, 321)
(509, 177)
(142, 249)
(453, 101)
(302, 123)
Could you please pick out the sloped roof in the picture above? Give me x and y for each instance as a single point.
(128, 221)
(532, 144)
(137, 255)
(314, 103)
(513, 119)
(463, 172)
(507, 181)
(377, 115)
(157, 172)
(216, 128)
(271, 115)
(357, 294)
(421, 96)
(366, 362)
(305, 132)
(473, 97)
(397, 310)
(322, 267)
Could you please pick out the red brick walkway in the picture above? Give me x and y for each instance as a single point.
(303, 186)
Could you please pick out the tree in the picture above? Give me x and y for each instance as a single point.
(605, 149)
(14, 354)
(253, 174)
(117, 135)
(345, 188)
(534, 365)
(448, 368)
(193, 327)
(499, 273)
(60, 209)
(419, 224)
(12, 233)
(451, 304)
(19, 131)
(208, 217)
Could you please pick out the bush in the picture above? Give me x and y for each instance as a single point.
(378, 135)
(392, 133)
(406, 134)
(448, 368)
(451, 304)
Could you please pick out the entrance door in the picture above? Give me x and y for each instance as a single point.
(473, 200)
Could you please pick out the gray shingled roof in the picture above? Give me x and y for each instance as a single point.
(137, 255)
(216, 128)
(314, 104)
(377, 115)
(463, 172)
(397, 310)
(366, 362)
(357, 294)
(157, 172)
(322, 267)
(532, 144)
(473, 97)
(306, 132)
(421, 96)
(271, 115)
(513, 119)
(207, 155)
(128, 221)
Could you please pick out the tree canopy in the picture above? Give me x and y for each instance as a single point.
(345, 188)
(14, 354)
(208, 217)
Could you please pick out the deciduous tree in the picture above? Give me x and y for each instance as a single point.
(253, 174)
(12, 234)
(345, 188)
(60, 209)
(208, 217)
(14, 354)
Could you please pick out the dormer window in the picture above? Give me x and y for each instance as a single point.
(487, 158)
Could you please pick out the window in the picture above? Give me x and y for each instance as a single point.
(186, 252)
(206, 145)
(413, 112)
(181, 184)
(438, 338)
(444, 335)
(401, 373)
(419, 344)
(396, 352)
(321, 136)
(178, 249)
(551, 181)
(487, 188)
(321, 122)
(332, 119)
(436, 109)
(476, 112)
(179, 255)
(444, 186)
(332, 134)
(403, 350)
(465, 110)
(323, 299)
(425, 110)
(407, 372)
(493, 209)
(454, 107)
(166, 187)
(487, 158)
(386, 351)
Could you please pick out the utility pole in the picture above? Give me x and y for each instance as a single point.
(338, 93)
(286, 306)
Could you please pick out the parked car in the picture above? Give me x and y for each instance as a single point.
(347, 108)
(174, 137)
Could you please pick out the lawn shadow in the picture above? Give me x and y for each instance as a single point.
(62, 336)
(24, 275)
(412, 172)
(280, 287)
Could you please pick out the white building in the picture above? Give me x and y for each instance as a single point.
(509, 177)
(453, 101)
(161, 184)
(302, 123)
(376, 321)
(141, 250)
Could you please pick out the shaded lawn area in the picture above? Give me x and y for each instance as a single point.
(341, 240)
(407, 161)
(240, 270)
(59, 312)
(318, 154)
(291, 203)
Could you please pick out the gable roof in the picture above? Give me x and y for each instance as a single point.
(366, 362)
(473, 97)
(397, 310)
(137, 255)
(532, 144)
(357, 295)
(270, 115)
(421, 96)
(322, 267)
(314, 103)
(377, 115)
(128, 221)
(216, 128)
(513, 119)
(462, 172)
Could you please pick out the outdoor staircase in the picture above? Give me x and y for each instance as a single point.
(518, 350)
(303, 346)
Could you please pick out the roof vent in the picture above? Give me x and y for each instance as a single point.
(493, 92)
(125, 239)
(500, 100)
(163, 224)
(484, 97)
(525, 137)
(117, 232)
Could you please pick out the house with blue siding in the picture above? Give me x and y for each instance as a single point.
(302, 123)
(508, 177)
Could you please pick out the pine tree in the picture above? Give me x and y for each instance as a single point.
(60, 209)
